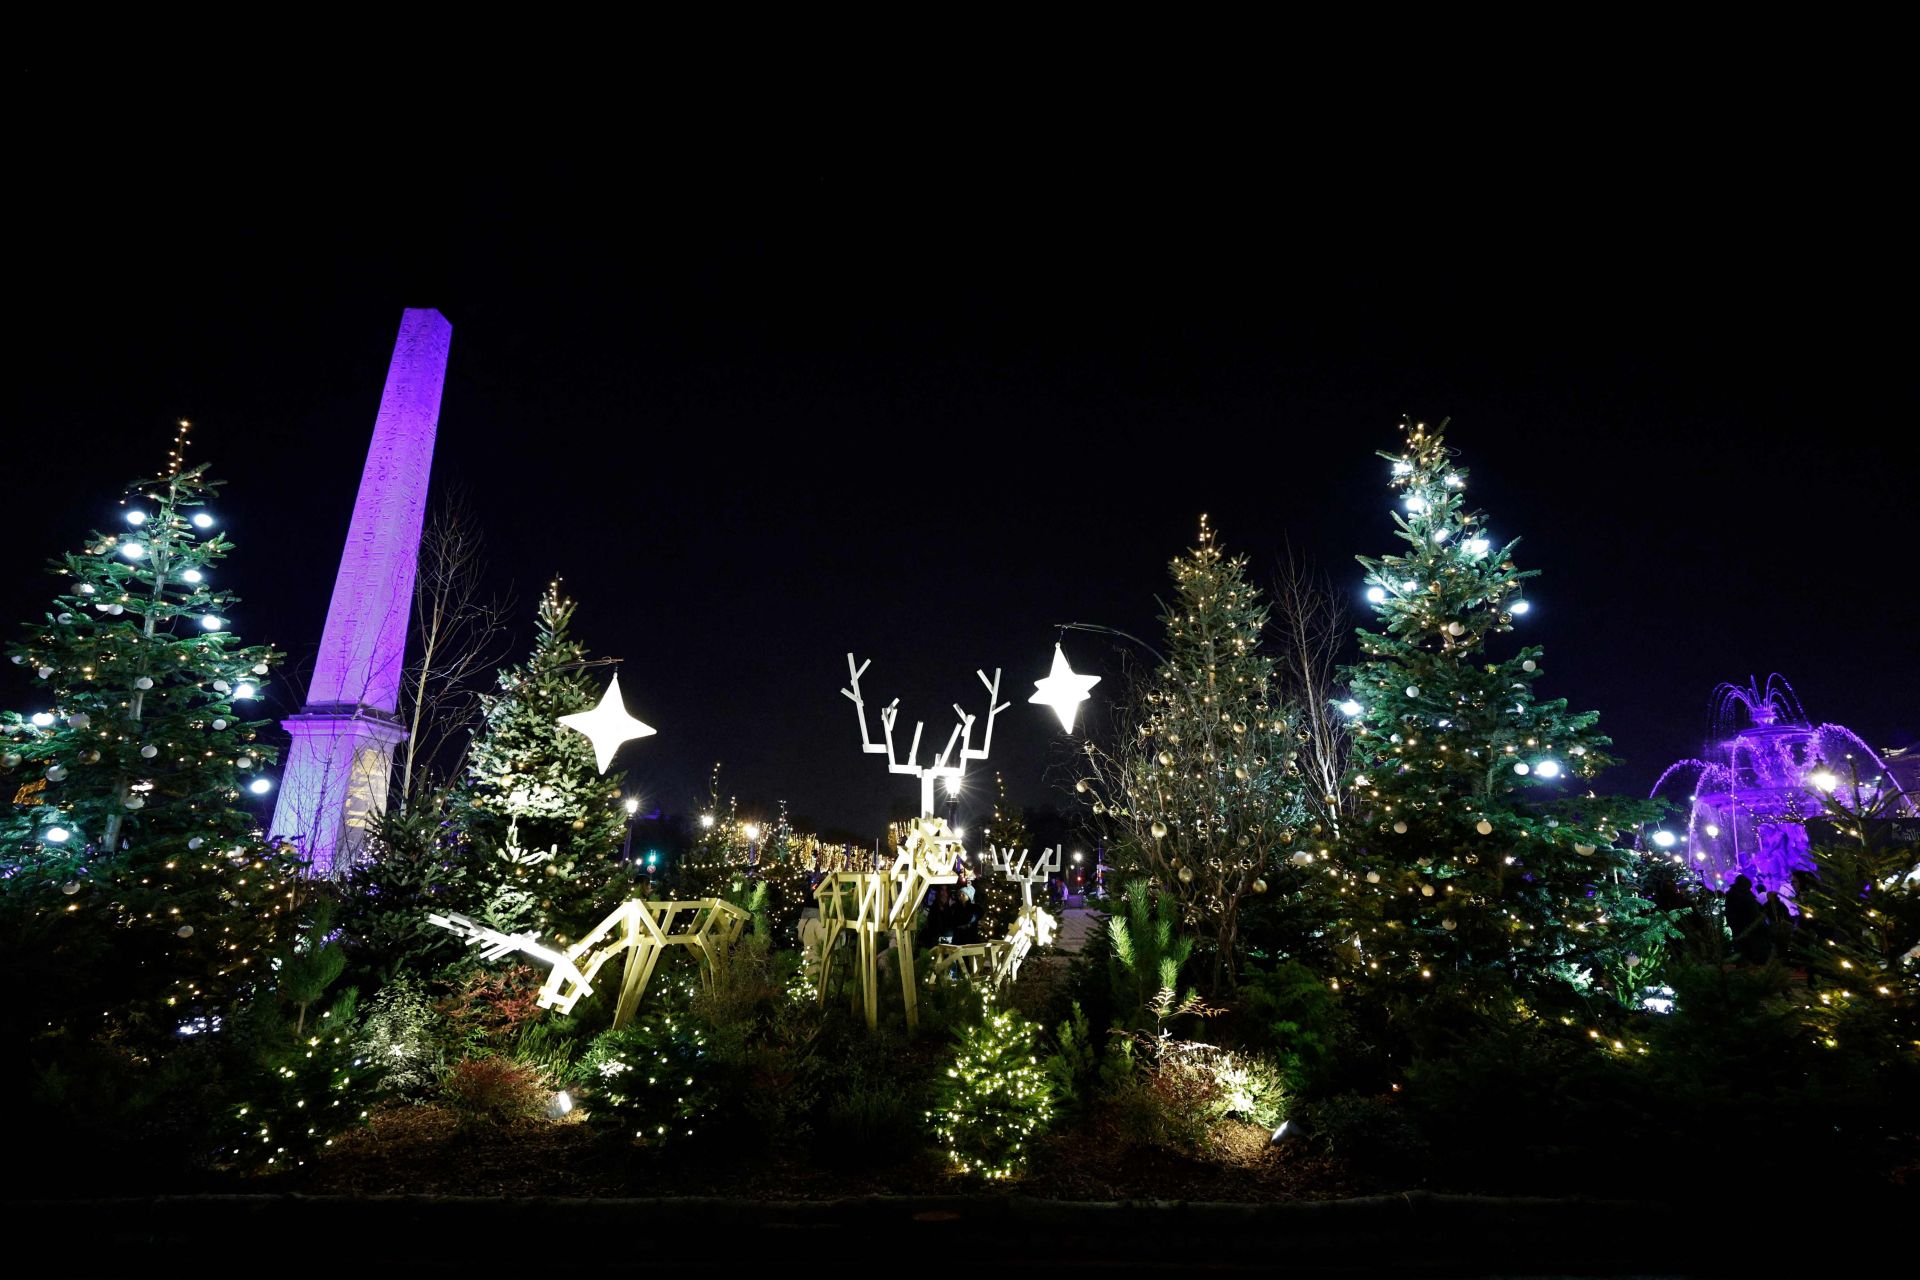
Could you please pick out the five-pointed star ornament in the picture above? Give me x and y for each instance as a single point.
(608, 725)
(1063, 690)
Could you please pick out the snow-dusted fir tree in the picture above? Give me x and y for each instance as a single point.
(1480, 851)
(1204, 789)
(544, 825)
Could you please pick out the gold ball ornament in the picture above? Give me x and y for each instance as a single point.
(1484, 827)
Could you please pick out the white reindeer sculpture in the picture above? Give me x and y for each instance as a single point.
(869, 903)
(999, 960)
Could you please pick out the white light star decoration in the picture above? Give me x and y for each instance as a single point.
(608, 726)
(1063, 690)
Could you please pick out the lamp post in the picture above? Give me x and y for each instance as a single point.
(632, 804)
(752, 832)
(953, 799)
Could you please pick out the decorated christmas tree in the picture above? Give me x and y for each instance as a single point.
(995, 1097)
(999, 896)
(142, 735)
(1204, 789)
(137, 884)
(1481, 854)
(718, 857)
(544, 824)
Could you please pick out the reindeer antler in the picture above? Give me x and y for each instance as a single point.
(962, 734)
(1017, 870)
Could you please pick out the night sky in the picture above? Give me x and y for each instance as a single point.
(759, 416)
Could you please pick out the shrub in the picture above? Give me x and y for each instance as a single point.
(871, 1121)
(293, 1093)
(1371, 1134)
(654, 1077)
(399, 1042)
(1074, 1064)
(994, 1097)
(495, 1089)
(491, 1006)
(1296, 1013)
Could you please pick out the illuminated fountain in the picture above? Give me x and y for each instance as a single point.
(1768, 770)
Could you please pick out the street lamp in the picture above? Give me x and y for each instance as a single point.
(632, 804)
(752, 832)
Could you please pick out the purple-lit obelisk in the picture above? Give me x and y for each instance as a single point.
(343, 738)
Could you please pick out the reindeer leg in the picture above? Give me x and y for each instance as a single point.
(907, 993)
(827, 941)
(870, 976)
(633, 983)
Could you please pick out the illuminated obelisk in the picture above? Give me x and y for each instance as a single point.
(343, 738)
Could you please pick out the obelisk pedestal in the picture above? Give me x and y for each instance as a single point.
(337, 769)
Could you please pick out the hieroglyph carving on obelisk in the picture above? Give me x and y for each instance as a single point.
(343, 738)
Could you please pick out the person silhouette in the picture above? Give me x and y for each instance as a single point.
(1778, 922)
(1744, 921)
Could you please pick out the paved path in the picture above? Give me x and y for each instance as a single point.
(1075, 924)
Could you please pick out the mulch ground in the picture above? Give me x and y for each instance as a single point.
(429, 1150)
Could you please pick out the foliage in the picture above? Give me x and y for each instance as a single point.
(1074, 1065)
(414, 865)
(1371, 1134)
(874, 1103)
(1859, 940)
(139, 742)
(545, 826)
(295, 1090)
(1204, 791)
(997, 896)
(995, 1096)
(653, 1077)
(1170, 1093)
(310, 965)
(495, 1090)
(400, 1039)
(1297, 1014)
(1478, 863)
(1147, 955)
(490, 1007)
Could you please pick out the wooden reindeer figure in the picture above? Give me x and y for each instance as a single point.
(870, 903)
(999, 960)
(641, 930)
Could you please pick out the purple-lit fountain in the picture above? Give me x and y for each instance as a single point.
(1767, 771)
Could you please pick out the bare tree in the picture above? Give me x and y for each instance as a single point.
(1310, 627)
(459, 635)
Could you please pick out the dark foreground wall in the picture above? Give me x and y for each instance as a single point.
(1415, 1233)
